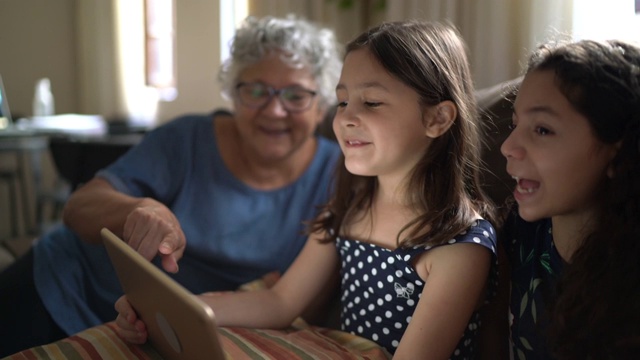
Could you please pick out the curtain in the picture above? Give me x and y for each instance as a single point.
(499, 33)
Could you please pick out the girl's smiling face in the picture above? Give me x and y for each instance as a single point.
(379, 120)
(553, 153)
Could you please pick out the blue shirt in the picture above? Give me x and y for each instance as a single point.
(535, 268)
(234, 233)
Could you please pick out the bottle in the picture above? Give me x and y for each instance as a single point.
(43, 98)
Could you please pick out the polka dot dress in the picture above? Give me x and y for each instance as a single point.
(380, 289)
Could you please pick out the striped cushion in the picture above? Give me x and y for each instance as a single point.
(298, 342)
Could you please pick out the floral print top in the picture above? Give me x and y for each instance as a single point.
(535, 267)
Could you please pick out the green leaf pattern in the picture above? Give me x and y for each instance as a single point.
(532, 267)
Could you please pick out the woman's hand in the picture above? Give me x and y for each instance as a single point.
(152, 229)
(145, 224)
(129, 327)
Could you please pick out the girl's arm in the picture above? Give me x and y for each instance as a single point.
(307, 278)
(277, 307)
(457, 276)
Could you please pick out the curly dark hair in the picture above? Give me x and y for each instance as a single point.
(596, 314)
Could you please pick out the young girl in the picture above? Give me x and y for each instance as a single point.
(573, 238)
(405, 228)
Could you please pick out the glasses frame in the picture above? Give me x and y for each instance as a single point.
(275, 92)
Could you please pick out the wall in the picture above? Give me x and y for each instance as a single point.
(67, 40)
(37, 40)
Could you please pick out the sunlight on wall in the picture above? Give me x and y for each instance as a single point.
(140, 100)
(600, 20)
(232, 13)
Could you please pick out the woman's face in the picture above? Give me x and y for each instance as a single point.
(552, 153)
(271, 132)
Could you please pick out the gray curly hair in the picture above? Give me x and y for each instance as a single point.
(302, 43)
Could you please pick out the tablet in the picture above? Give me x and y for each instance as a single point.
(180, 326)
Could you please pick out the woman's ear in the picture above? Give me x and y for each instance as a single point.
(439, 118)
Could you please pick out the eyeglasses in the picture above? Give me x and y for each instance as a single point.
(257, 95)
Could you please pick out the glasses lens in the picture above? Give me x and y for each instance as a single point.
(295, 98)
(253, 95)
(257, 95)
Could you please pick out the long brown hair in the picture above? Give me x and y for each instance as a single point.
(443, 187)
(596, 313)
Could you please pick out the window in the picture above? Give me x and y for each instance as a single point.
(160, 42)
(231, 15)
(601, 20)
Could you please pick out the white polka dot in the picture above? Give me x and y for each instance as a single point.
(380, 302)
(378, 319)
(476, 240)
(374, 337)
(356, 253)
(390, 278)
(347, 321)
(399, 273)
(367, 323)
(357, 300)
(388, 297)
(365, 278)
(410, 302)
(395, 343)
(399, 307)
(388, 314)
(352, 288)
(371, 307)
(363, 312)
(360, 329)
(407, 257)
(408, 319)
(391, 260)
(369, 259)
(383, 266)
(366, 295)
(485, 233)
(380, 284)
(360, 265)
(374, 271)
(398, 325)
(348, 258)
(452, 241)
(352, 271)
(385, 331)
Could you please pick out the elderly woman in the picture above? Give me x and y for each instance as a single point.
(222, 197)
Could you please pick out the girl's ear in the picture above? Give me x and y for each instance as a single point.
(439, 118)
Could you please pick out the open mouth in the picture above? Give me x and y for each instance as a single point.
(274, 132)
(525, 186)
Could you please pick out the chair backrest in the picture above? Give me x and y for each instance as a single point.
(78, 159)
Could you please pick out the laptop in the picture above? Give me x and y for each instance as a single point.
(180, 326)
(8, 127)
(5, 114)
